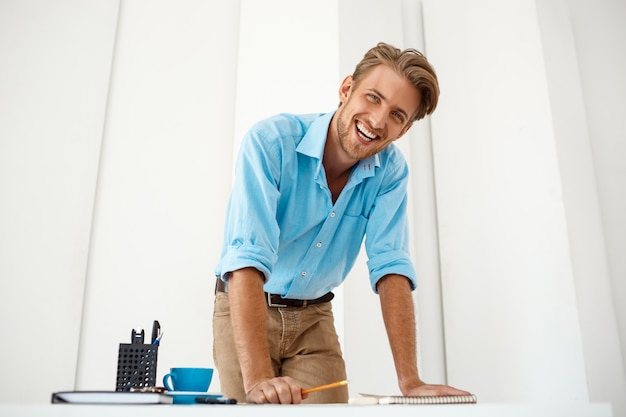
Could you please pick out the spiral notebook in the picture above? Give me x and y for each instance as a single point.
(367, 399)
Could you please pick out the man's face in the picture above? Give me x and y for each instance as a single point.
(375, 112)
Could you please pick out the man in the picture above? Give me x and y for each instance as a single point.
(308, 189)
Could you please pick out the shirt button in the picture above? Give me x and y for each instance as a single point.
(318, 244)
(332, 214)
(303, 273)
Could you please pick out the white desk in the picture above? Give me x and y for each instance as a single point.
(343, 410)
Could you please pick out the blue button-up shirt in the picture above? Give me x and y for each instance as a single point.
(281, 219)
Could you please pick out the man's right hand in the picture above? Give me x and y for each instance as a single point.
(279, 390)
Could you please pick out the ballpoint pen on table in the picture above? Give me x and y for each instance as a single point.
(213, 400)
(156, 330)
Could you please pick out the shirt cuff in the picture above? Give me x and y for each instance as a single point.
(245, 256)
(394, 262)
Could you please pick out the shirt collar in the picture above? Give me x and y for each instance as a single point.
(365, 168)
(312, 144)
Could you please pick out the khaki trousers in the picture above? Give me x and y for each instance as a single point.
(303, 344)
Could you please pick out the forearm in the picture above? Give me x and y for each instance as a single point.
(399, 318)
(249, 320)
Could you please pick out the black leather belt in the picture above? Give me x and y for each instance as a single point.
(275, 300)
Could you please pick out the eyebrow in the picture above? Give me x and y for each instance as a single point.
(382, 96)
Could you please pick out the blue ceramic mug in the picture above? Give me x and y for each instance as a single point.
(188, 379)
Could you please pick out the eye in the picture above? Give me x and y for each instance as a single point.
(373, 98)
(399, 116)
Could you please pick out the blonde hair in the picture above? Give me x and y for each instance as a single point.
(410, 63)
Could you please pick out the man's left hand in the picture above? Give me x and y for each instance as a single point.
(434, 390)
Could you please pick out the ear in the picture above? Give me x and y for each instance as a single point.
(404, 130)
(345, 89)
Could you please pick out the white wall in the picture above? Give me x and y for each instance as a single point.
(599, 31)
(509, 302)
(54, 75)
(169, 107)
(163, 177)
(524, 267)
(288, 60)
(584, 173)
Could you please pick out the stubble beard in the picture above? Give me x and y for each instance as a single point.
(353, 150)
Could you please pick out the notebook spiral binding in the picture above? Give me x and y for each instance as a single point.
(445, 399)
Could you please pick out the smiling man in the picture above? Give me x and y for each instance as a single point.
(308, 189)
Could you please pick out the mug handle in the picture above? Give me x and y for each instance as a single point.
(166, 380)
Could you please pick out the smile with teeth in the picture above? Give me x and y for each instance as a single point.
(365, 133)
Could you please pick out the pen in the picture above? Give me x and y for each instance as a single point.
(323, 387)
(211, 400)
(156, 330)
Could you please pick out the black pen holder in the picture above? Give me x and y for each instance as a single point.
(136, 366)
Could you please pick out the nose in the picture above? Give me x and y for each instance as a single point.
(378, 117)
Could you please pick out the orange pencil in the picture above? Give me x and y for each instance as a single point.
(323, 387)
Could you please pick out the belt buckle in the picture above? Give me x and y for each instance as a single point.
(271, 303)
